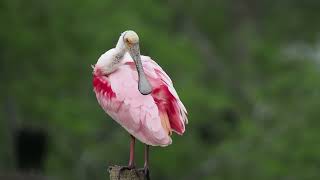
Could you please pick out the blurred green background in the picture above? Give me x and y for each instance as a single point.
(247, 71)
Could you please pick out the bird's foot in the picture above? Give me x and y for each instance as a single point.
(146, 172)
(122, 168)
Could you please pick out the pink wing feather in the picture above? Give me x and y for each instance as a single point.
(150, 118)
(166, 96)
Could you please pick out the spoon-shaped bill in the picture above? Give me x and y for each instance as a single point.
(143, 83)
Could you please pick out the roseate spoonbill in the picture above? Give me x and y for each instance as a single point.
(137, 93)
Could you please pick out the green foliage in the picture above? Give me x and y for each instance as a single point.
(253, 117)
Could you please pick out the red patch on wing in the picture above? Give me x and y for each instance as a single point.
(101, 85)
(167, 102)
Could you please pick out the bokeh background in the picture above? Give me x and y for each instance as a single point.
(247, 71)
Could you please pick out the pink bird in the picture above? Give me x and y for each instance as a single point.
(136, 92)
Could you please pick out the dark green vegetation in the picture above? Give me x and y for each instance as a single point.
(247, 71)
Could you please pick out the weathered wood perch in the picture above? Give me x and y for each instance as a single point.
(133, 174)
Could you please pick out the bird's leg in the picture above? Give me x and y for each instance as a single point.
(131, 164)
(146, 163)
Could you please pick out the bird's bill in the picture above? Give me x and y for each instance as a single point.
(143, 83)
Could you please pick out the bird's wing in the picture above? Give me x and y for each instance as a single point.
(166, 96)
(137, 113)
(172, 112)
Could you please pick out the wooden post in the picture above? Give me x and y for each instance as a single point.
(125, 174)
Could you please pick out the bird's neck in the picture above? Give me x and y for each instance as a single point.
(119, 51)
(110, 60)
(120, 47)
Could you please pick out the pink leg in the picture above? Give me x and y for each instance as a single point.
(146, 156)
(131, 164)
(131, 160)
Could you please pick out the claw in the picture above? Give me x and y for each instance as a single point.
(146, 172)
(125, 168)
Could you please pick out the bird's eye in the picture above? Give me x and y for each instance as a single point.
(127, 40)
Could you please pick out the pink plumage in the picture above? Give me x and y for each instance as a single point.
(150, 118)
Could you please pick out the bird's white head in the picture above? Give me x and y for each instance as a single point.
(130, 37)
